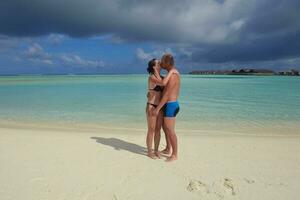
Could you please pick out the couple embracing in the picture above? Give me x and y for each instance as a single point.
(162, 107)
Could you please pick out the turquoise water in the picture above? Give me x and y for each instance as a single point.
(207, 102)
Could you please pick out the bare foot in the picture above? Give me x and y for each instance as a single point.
(171, 158)
(157, 154)
(151, 155)
(166, 151)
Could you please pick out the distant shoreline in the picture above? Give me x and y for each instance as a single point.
(110, 74)
(196, 72)
(248, 72)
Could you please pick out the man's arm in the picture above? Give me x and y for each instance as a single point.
(163, 82)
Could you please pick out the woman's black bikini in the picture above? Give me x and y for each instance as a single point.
(152, 105)
(157, 88)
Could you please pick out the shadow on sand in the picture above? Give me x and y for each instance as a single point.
(118, 144)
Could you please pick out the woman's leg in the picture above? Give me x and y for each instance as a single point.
(158, 126)
(151, 121)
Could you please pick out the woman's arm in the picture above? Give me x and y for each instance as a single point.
(163, 82)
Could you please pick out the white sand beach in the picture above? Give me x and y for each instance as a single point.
(44, 164)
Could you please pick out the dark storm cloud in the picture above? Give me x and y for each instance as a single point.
(271, 32)
(259, 49)
(273, 17)
(213, 31)
(169, 20)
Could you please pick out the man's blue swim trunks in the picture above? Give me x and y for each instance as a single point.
(171, 109)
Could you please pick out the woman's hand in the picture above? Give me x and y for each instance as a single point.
(174, 71)
(155, 112)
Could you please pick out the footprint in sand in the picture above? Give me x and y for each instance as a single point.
(195, 186)
(249, 181)
(217, 189)
(36, 179)
(115, 197)
(227, 183)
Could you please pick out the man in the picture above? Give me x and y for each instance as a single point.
(169, 104)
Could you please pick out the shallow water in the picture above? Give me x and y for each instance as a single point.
(245, 104)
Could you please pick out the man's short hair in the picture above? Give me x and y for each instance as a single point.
(168, 59)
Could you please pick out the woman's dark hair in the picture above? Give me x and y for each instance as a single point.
(151, 64)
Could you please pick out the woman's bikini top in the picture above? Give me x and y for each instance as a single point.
(157, 88)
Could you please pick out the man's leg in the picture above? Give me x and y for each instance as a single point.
(170, 128)
(168, 148)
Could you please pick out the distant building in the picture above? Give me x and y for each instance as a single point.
(236, 72)
(248, 71)
(291, 72)
(210, 72)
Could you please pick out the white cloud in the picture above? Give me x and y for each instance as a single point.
(35, 53)
(55, 39)
(237, 24)
(157, 53)
(77, 61)
(142, 55)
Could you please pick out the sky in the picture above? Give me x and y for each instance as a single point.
(121, 36)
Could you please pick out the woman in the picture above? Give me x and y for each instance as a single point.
(155, 88)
